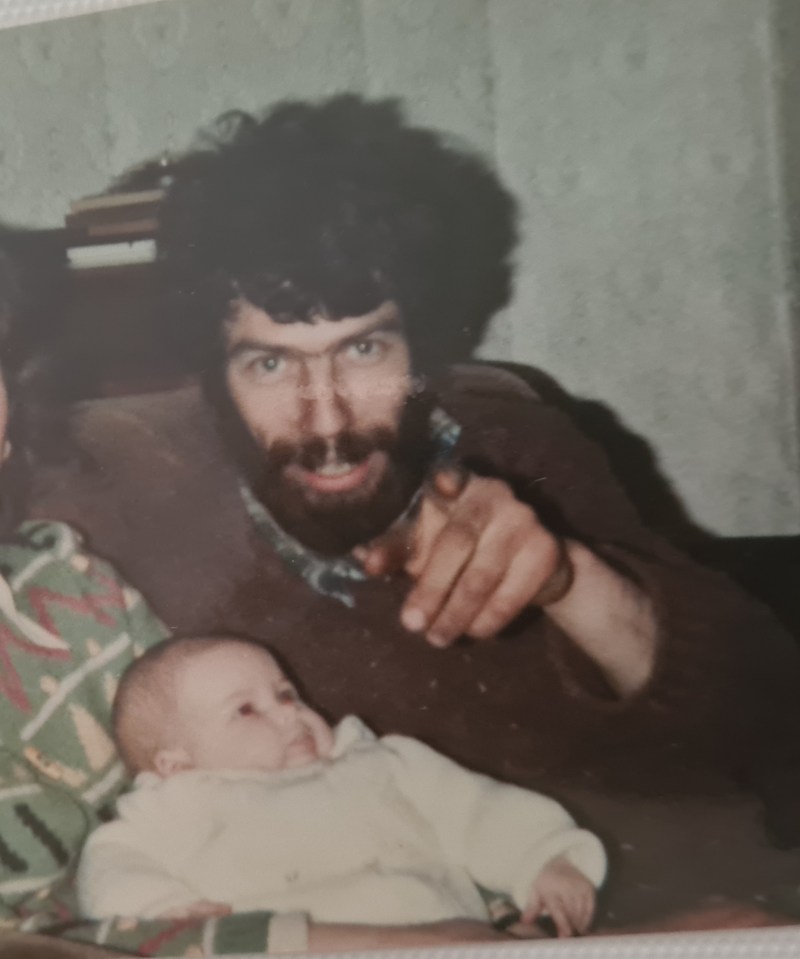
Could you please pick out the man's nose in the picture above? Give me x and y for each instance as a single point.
(326, 409)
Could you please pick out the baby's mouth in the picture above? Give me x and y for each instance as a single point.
(302, 749)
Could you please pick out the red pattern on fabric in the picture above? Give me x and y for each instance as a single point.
(92, 604)
(10, 683)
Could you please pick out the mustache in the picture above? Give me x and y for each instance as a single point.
(349, 446)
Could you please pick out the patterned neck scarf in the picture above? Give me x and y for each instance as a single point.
(332, 575)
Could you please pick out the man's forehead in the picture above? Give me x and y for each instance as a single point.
(250, 325)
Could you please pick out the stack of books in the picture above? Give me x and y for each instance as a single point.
(116, 214)
(113, 229)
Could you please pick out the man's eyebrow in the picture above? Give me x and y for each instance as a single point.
(388, 324)
(252, 346)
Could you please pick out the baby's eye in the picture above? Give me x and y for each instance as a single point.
(287, 695)
(246, 709)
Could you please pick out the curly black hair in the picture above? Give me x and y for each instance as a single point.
(332, 208)
(32, 285)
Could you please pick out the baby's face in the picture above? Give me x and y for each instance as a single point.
(236, 710)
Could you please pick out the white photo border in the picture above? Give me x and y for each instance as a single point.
(15, 13)
(774, 943)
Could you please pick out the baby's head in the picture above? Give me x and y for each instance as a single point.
(213, 703)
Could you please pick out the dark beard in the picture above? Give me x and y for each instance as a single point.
(333, 524)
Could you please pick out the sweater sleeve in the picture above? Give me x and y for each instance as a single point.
(501, 834)
(135, 865)
(130, 891)
(254, 933)
(117, 878)
(724, 686)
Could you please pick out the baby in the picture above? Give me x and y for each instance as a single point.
(246, 799)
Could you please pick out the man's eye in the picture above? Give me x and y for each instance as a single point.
(262, 365)
(269, 364)
(246, 709)
(365, 349)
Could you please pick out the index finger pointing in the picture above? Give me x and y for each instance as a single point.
(451, 552)
(450, 481)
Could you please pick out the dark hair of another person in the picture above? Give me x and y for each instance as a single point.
(31, 283)
(332, 208)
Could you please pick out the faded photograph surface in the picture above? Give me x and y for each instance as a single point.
(399, 474)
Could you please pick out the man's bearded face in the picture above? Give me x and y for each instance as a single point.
(334, 443)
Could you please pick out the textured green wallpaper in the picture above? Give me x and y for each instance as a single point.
(644, 138)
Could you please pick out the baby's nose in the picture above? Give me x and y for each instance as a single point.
(287, 712)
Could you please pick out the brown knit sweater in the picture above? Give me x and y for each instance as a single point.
(653, 774)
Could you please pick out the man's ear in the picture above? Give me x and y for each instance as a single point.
(167, 762)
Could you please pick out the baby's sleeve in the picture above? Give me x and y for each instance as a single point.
(501, 834)
(129, 890)
(116, 877)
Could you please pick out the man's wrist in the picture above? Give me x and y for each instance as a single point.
(610, 617)
(560, 581)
